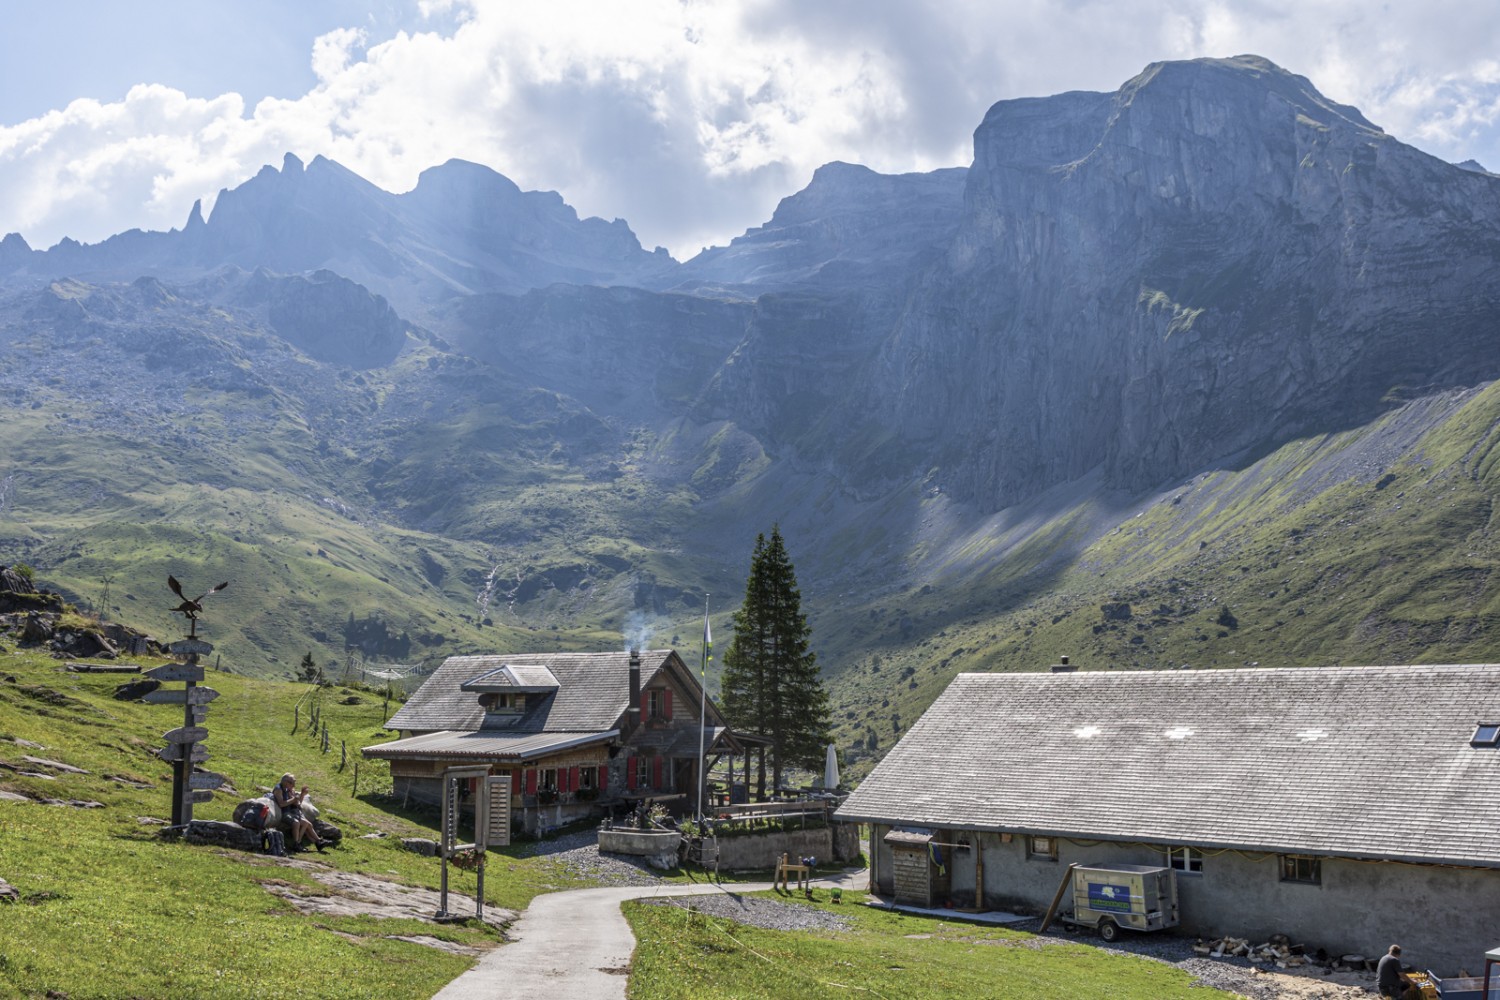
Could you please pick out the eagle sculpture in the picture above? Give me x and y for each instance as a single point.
(191, 607)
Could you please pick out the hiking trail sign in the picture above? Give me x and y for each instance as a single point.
(183, 747)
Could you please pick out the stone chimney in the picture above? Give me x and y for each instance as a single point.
(633, 707)
(1064, 667)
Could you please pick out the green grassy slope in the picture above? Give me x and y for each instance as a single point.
(109, 910)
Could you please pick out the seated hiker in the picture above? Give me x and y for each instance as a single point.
(289, 801)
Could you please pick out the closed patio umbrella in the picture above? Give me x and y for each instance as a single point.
(831, 768)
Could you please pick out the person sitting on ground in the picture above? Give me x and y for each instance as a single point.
(289, 801)
(1389, 979)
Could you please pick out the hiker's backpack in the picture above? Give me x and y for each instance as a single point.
(275, 843)
(255, 818)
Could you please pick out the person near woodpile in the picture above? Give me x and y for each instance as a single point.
(289, 801)
(1389, 978)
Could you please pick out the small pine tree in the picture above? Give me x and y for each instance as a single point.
(308, 670)
(771, 684)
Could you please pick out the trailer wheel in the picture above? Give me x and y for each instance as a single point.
(1109, 931)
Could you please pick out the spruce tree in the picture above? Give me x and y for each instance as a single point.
(770, 683)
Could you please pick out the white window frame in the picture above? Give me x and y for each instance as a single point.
(1188, 860)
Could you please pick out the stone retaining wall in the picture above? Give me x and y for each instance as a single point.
(657, 847)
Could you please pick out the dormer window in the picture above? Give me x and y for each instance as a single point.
(507, 703)
(1486, 734)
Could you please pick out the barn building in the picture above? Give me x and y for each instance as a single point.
(1347, 808)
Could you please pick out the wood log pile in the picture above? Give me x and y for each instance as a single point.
(1278, 950)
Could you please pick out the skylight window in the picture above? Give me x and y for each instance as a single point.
(1486, 734)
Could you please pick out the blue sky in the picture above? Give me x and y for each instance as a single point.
(688, 118)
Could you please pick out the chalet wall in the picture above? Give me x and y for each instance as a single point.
(1433, 912)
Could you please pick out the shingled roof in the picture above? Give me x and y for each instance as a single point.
(1370, 762)
(591, 695)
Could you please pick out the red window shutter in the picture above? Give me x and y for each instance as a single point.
(515, 782)
(630, 773)
(573, 773)
(531, 781)
(603, 781)
(656, 772)
(645, 705)
(669, 703)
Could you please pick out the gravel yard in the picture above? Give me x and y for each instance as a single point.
(578, 853)
(770, 914)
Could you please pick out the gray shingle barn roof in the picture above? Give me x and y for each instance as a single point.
(591, 695)
(1354, 761)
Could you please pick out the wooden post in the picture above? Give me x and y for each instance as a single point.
(979, 871)
(343, 754)
(296, 717)
(355, 793)
(1062, 887)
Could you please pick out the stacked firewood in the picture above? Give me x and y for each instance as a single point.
(1278, 950)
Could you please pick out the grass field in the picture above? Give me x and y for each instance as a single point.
(685, 955)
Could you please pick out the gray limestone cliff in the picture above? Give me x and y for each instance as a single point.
(1213, 259)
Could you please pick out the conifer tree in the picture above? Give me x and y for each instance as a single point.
(770, 683)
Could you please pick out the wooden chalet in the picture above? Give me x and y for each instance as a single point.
(578, 733)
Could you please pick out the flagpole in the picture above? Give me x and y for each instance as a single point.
(703, 707)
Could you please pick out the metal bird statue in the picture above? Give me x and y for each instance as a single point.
(191, 607)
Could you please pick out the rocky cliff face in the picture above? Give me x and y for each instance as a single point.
(1212, 259)
(850, 230)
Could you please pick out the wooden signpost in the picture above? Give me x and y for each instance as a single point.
(191, 695)
(184, 744)
(176, 672)
(183, 747)
(182, 751)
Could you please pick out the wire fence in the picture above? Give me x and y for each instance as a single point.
(308, 719)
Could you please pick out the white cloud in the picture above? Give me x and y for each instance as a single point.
(691, 119)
